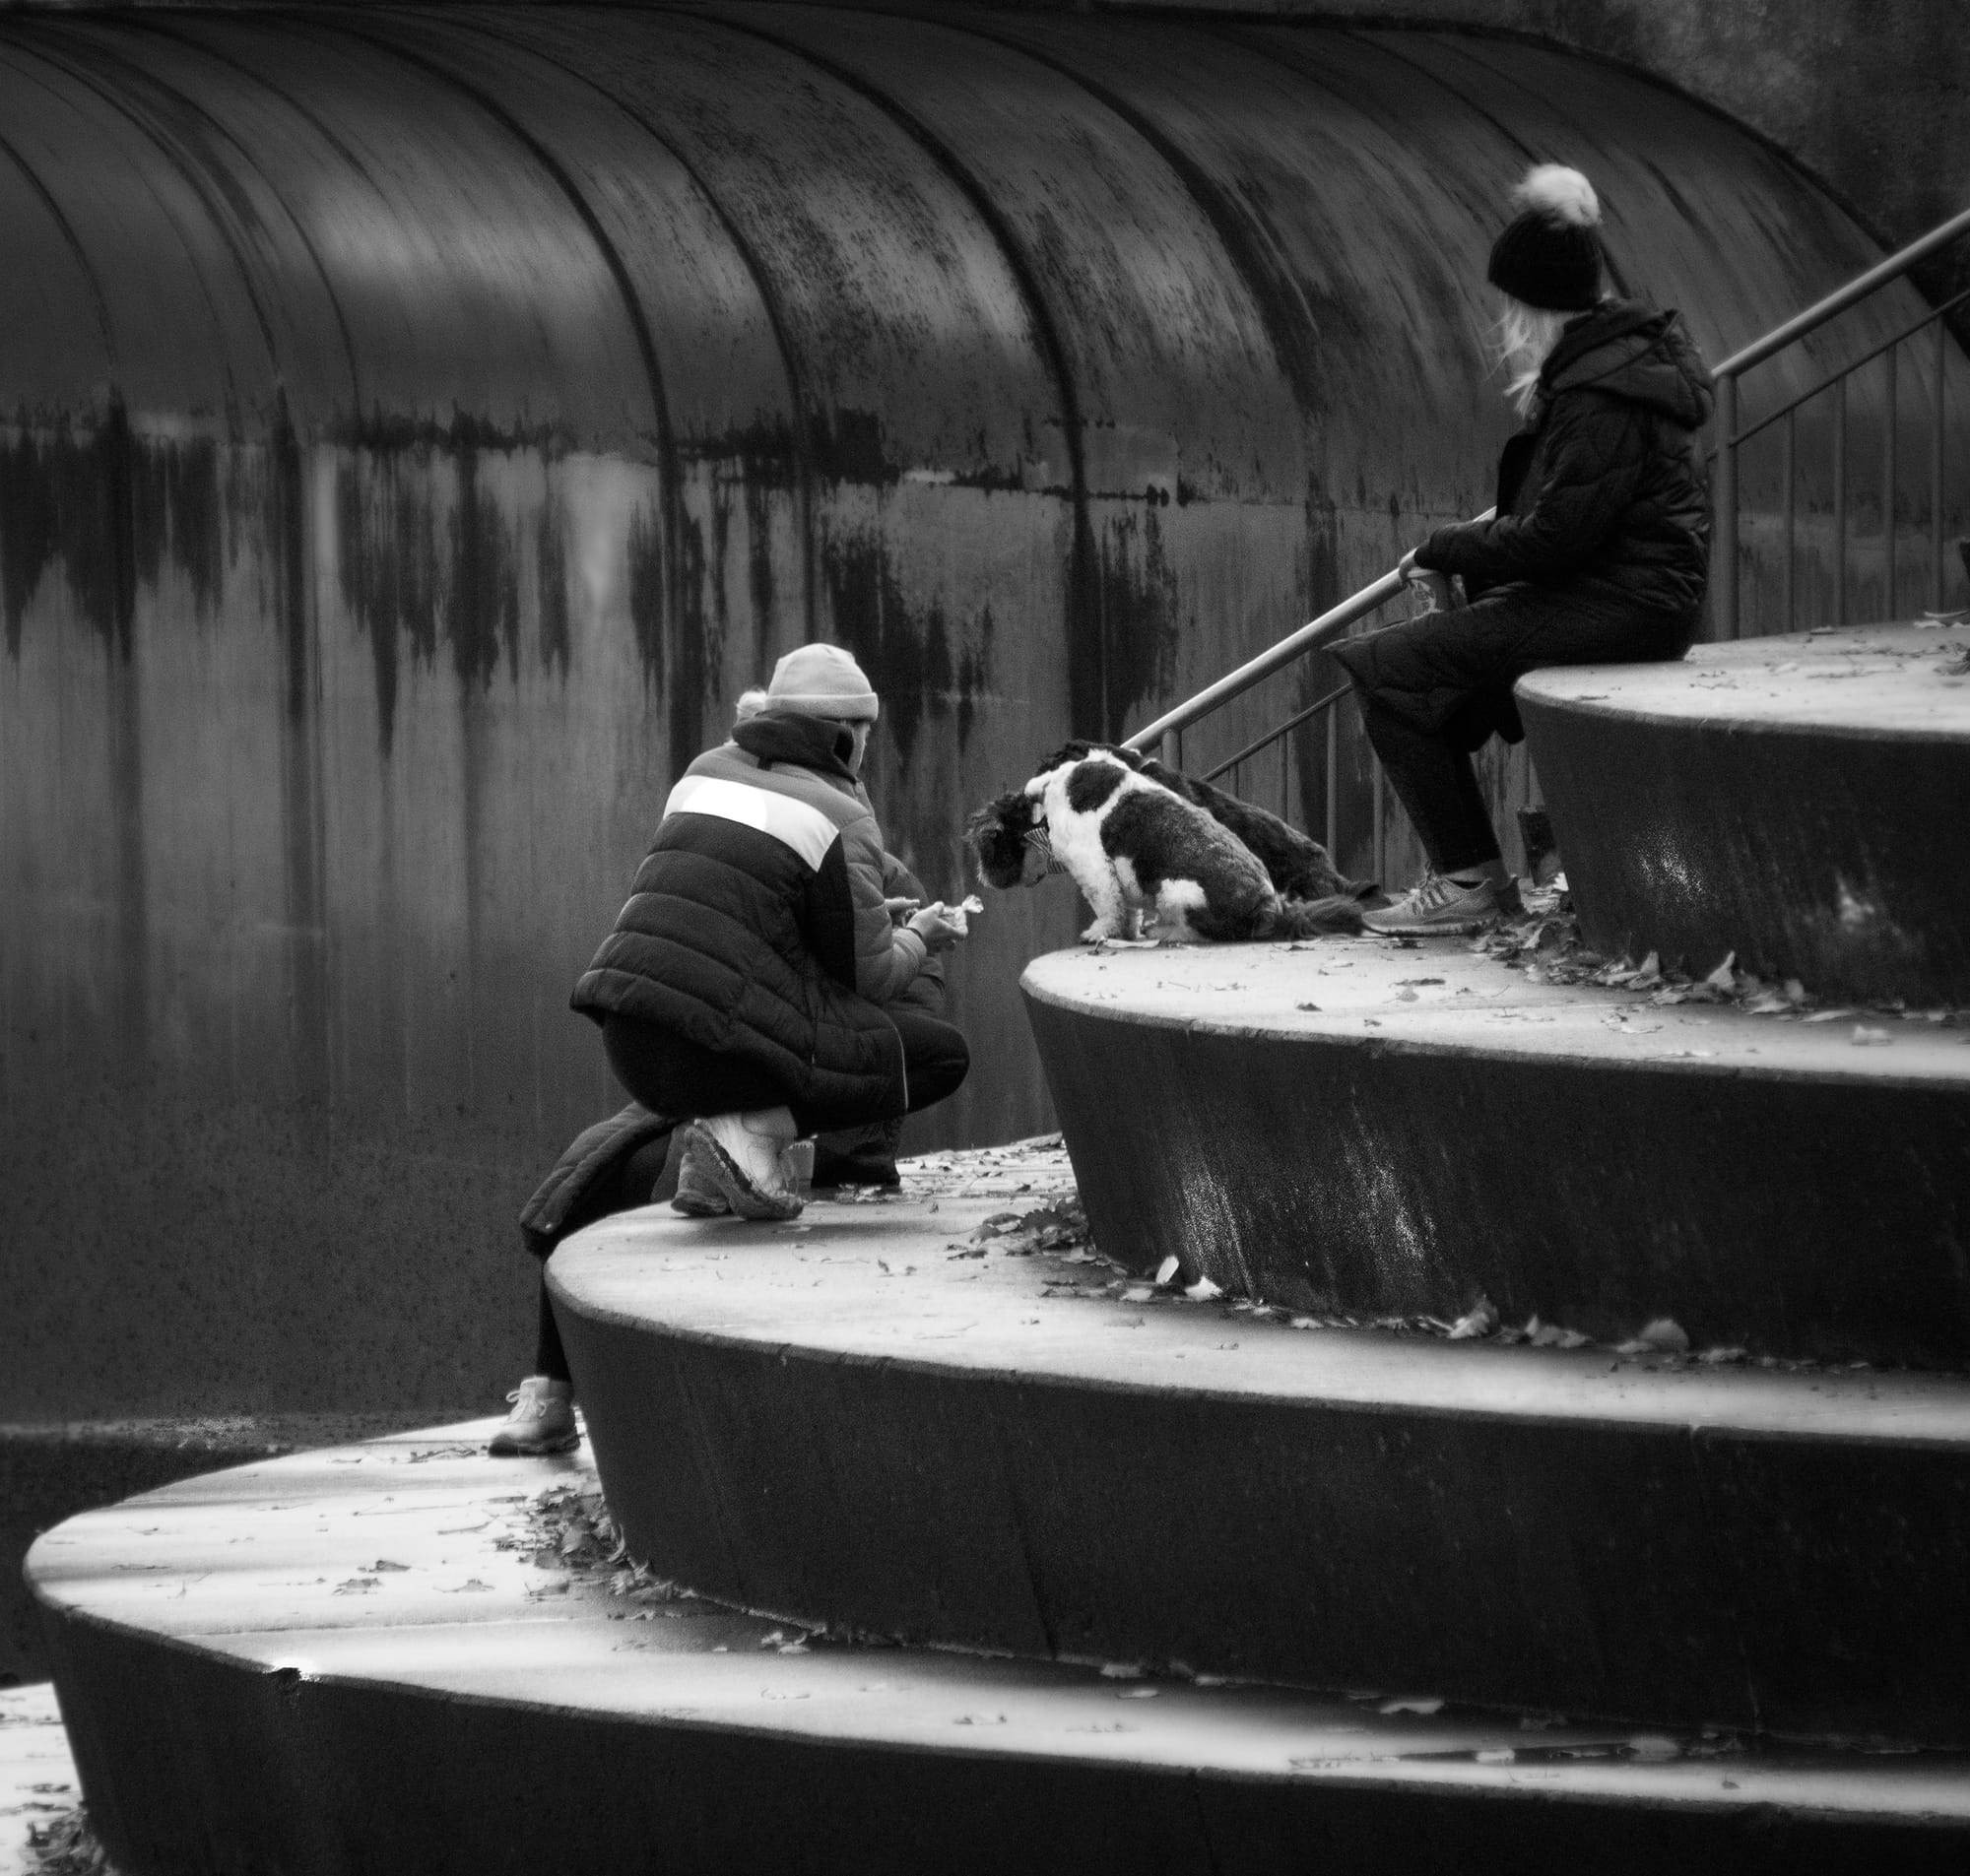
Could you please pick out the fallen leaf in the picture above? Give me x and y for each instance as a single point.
(1204, 1290)
(384, 1563)
(1167, 1270)
(1122, 1670)
(1479, 1319)
(1724, 977)
(1141, 1293)
(1412, 1703)
(1137, 1693)
(1665, 1334)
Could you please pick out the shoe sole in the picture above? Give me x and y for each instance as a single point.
(533, 1449)
(741, 1194)
(701, 1205)
(1453, 927)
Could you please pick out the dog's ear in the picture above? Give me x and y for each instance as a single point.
(997, 835)
(1079, 751)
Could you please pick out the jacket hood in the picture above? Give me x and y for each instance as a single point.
(820, 744)
(1631, 349)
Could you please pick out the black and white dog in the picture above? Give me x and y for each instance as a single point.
(1137, 843)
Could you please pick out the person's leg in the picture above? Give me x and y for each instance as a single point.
(737, 1121)
(866, 1155)
(1434, 781)
(542, 1419)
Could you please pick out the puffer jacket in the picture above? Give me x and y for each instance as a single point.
(1608, 481)
(755, 925)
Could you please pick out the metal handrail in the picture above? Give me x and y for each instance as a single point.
(1167, 729)
(1310, 637)
(1857, 289)
(1727, 374)
(1833, 378)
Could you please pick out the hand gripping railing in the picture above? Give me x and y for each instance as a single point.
(1724, 570)
(1167, 730)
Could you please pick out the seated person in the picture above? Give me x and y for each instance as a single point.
(757, 986)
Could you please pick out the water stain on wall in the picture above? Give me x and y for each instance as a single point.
(1141, 627)
(110, 509)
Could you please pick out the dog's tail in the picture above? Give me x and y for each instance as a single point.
(1313, 918)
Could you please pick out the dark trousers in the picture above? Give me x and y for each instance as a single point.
(623, 1186)
(1434, 690)
(1433, 779)
(675, 1076)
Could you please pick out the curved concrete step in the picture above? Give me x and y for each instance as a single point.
(881, 1419)
(1799, 800)
(1357, 1125)
(353, 1660)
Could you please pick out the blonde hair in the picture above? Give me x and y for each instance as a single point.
(1522, 340)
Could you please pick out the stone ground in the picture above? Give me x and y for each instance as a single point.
(40, 1833)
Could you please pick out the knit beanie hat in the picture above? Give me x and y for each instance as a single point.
(1549, 255)
(821, 681)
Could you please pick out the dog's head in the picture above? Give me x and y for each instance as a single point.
(1009, 837)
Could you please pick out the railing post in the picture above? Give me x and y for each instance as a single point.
(1724, 611)
(1840, 502)
(1889, 441)
(1935, 474)
(1791, 520)
(1172, 750)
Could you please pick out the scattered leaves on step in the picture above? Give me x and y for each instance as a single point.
(1140, 1293)
(1654, 1747)
(356, 1587)
(1123, 1670)
(1865, 1037)
(1425, 1705)
(1202, 1290)
(979, 1719)
(384, 1563)
(1482, 1319)
(1137, 1693)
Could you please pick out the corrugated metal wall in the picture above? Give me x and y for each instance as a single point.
(420, 426)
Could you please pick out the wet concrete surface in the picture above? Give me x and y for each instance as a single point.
(877, 1416)
(38, 1779)
(356, 1657)
(1797, 800)
(1375, 1127)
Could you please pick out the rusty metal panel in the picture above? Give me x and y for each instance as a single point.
(417, 425)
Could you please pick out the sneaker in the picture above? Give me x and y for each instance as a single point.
(542, 1420)
(697, 1194)
(742, 1154)
(1437, 908)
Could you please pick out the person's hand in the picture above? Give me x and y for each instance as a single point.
(901, 909)
(934, 928)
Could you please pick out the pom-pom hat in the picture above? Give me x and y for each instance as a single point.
(821, 681)
(1550, 254)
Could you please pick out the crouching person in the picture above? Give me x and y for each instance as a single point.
(764, 983)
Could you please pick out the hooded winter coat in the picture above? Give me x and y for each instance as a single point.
(1608, 478)
(755, 924)
(1599, 550)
